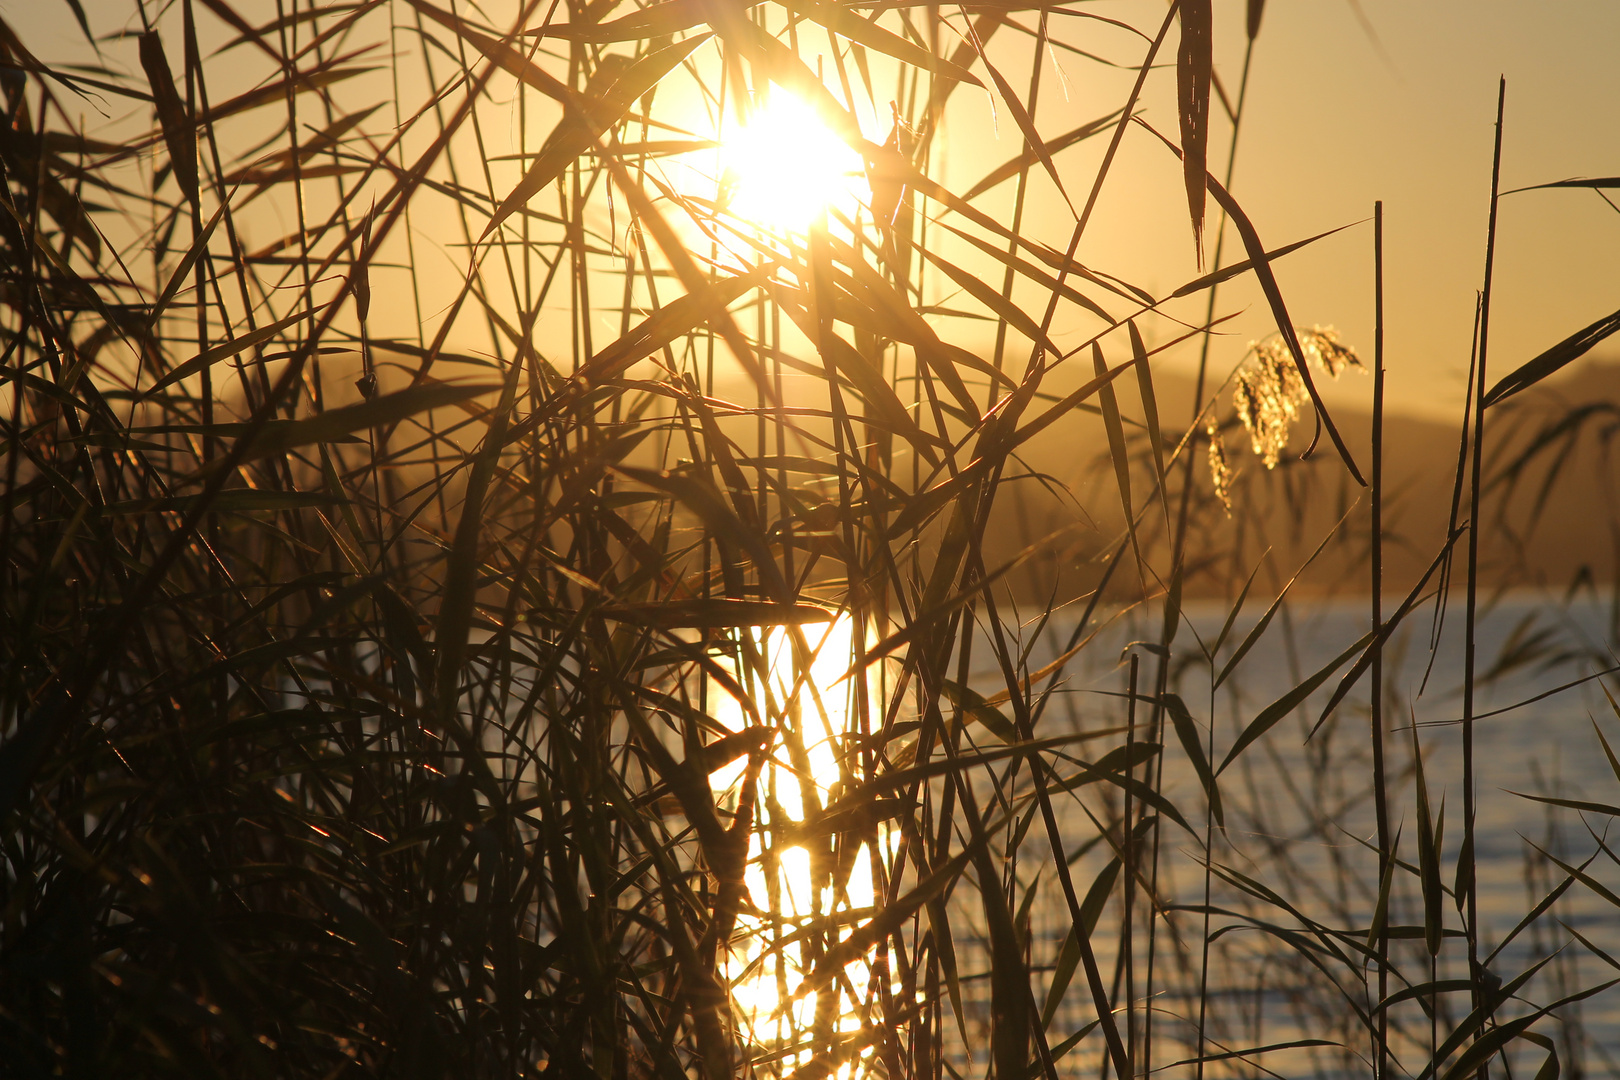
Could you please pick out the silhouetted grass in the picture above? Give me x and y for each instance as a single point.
(476, 605)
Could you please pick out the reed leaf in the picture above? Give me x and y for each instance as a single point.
(1559, 356)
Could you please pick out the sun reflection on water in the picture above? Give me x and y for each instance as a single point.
(814, 704)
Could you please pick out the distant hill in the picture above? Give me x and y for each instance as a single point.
(1550, 499)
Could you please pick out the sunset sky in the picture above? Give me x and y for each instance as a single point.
(1350, 101)
(1339, 120)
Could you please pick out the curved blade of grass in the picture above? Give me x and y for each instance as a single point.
(1035, 274)
(1068, 404)
(680, 260)
(1598, 183)
(1282, 594)
(1614, 762)
(1194, 65)
(1279, 309)
(187, 261)
(304, 82)
(1030, 156)
(605, 107)
(1290, 701)
(1579, 874)
(1237, 607)
(1109, 768)
(1422, 990)
(231, 500)
(1570, 349)
(1591, 947)
(869, 383)
(1227, 273)
(1383, 633)
(846, 23)
(178, 132)
(654, 21)
(939, 923)
(974, 707)
(1150, 412)
(501, 54)
(715, 613)
(1535, 913)
(230, 348)
(721, 520)
(1068, 960)
(1247, 1052)
(678, 317)
(904, 323)
(228, 430)
(334, 424)
(1116, 446)
(1477, 1019)
(1496, 1038)
(1378, 929)
(1428, 855)
(1321, 943)
(1026, 124)
(1191, 742)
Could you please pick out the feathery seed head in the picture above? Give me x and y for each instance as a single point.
(1322, 344)
(1220, 470)
(1267, 396)
(1268, 389)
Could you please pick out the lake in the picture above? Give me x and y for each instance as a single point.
(1300, 821)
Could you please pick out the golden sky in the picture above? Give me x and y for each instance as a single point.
(1349, 101)
(1340, 120)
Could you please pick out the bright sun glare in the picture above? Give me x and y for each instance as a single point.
(763, 982)
(783, 165)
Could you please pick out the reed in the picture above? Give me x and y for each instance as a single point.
(503, 578)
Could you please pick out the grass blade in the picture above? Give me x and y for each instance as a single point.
(1265, 620)
(178, 133)
(203, 361)
(1150, 415)
(1560, 355)
(1192, 743)
(334, 424)
(1194, 65)
(1290, 701)
(846, 23)
(1116, 446)
(606, 106)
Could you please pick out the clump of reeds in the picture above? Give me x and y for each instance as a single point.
(474, 605)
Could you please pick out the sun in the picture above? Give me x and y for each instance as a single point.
(782, 166)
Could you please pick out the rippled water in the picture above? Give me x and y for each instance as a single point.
(1300, 818)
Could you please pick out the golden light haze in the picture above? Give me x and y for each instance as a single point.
(1349, 101)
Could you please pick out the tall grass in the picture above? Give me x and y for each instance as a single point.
(479, 604)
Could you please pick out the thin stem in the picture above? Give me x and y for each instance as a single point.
(1129, 899)
(1467, 870)
(1177, 560)
(1380, 797)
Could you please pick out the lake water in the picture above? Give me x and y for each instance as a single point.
(1300, 817)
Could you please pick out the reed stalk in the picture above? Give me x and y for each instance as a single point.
(485, 595)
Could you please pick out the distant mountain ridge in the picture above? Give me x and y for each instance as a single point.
(1551, 498)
